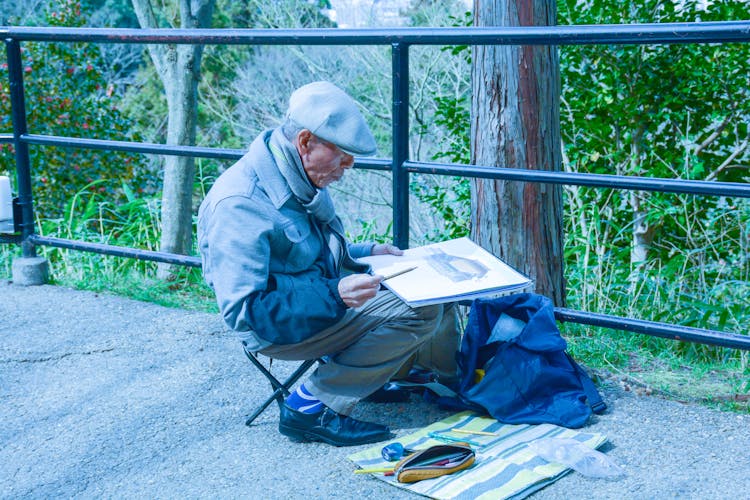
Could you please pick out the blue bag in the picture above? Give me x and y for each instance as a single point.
(514, 366)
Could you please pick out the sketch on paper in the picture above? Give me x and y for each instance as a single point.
(445, 272)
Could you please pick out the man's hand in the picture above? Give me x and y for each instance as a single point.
(385, 249)
(356, 289)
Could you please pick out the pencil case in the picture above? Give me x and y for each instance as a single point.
(434, 461)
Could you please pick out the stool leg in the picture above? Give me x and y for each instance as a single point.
(281, 390)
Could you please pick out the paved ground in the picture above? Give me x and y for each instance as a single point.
(107, 397)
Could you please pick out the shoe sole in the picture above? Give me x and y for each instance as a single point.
(300, 436)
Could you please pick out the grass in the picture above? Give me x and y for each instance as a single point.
(185, 291)
(653, 367)
(702, 280)
(106, 274)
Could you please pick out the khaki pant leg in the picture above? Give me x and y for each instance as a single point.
(439, 353)
(364, 350)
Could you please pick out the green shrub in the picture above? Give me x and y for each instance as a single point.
(66, 95)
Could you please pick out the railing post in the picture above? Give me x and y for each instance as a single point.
(28, 269)
(400, 75)
(23, 170)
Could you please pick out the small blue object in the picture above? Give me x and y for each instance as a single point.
(394, 451)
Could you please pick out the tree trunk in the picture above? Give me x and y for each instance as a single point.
(178, 67)
(643, 232)
(179, 171)
(516, 123)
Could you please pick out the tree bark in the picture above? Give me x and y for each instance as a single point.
(516, 123)
(178, 67)
(643, 232)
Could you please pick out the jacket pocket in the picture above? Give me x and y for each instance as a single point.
(304, 246)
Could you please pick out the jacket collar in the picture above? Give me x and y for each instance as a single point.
(262, 161)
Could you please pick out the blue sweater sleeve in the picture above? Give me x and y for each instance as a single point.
(358, 250)
(275, 313)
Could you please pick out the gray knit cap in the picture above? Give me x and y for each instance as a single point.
(329, 113)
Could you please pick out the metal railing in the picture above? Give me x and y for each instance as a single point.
(399, 165)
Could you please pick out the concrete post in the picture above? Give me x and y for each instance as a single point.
(28, 271)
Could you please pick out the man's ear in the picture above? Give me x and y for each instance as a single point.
(304, 137)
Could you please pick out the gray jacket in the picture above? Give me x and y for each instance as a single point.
(265, 256)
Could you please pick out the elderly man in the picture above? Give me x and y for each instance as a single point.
(285, 278)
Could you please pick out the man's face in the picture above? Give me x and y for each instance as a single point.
(323, 162)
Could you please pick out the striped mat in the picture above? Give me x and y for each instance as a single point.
(504, 468)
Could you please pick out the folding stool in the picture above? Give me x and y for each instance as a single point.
(280, 390)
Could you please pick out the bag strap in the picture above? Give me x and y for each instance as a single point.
(593, 397)
(437, 388)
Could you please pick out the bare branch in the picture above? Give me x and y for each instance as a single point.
(727, 164)
(147, 19)
(714, 135)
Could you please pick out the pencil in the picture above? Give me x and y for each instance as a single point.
(373, 470)
(451, 439)
(466, 431)
(399, 273)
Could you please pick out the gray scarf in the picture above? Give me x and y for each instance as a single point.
(316, 201)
